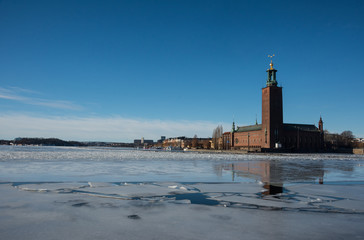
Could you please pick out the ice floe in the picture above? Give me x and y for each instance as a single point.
(97, 193)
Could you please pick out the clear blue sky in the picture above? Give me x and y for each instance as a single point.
(119, 70)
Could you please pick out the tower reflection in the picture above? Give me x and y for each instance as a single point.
(273, 174)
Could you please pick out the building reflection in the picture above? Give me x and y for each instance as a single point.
(273, 174)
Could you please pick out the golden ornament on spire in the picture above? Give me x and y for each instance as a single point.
(271, 61)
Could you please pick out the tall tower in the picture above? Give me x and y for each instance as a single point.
(321, 125)
(322, 135)
(231, 140)
(272, 110)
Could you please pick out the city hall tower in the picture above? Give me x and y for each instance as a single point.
(272, 110)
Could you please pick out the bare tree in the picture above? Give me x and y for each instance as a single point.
(335, 140)
(216, 135)
(194, 141)
(348, 135)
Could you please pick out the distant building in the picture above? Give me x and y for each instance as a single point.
(175, 142)
(143, 141)
(162, 139)
(184, 142)
(272, 133)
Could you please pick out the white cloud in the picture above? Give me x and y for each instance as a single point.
(15, 94)
(117, 129)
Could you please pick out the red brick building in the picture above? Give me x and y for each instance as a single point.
(272, 133)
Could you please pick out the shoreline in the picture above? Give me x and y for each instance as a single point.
(355, 152)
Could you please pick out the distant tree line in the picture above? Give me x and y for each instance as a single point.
(59, 142)
(5, 142)
(344, 140)
(46, 142)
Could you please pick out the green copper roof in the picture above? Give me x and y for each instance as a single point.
(250, 128)
(233, 127)
(271, 81)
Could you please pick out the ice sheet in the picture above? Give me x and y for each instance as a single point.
(310, 197)
(59, 164)
(99, 193)
(55, 187)
(53, 215)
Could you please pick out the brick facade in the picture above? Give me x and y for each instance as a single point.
(272, 132)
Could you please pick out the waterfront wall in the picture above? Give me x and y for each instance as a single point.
(358, 150)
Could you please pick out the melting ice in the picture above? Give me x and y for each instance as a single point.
(93, 193)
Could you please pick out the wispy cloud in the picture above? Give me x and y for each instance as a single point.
(19, 94)
(99, 128)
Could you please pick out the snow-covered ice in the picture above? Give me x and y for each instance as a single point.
(105, 193)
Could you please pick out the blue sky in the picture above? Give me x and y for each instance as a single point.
(120, 70)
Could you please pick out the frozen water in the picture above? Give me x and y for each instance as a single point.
(46, 164)
(107, 193)
(51, 215)
(42, 187)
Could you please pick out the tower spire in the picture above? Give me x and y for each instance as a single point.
(321, 124)
(271, 61)
(233, 127)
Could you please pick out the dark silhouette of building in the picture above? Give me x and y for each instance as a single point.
(272, 133)
(162, 139)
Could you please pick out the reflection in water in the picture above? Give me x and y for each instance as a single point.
(274, 173)
(272, 189)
